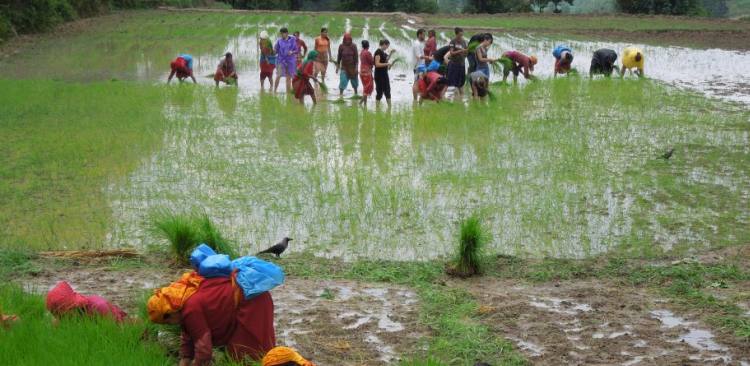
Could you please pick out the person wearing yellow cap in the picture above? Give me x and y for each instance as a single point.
(632, 58)
(284, 356)
(518, 63)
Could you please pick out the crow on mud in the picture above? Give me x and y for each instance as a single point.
(278, 248)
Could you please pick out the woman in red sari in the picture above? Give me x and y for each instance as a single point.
(301, 81)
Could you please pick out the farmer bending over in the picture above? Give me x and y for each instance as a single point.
(215, 315)
(518, 63)
(563, 59)
(225, 71)
(479, 85)
(432, 86)
(632, 58)
(603, 62)
(182, 66)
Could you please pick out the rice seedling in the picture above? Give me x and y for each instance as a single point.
(472, 47)
(397, 61)
(323, 87)
(470, 251)
(186, 231)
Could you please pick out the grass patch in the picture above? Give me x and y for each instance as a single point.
(74, 341)
(470, 252)
(184, 232)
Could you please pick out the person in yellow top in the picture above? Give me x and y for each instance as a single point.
(632, 58)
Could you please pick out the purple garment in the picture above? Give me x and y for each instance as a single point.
(286, 49)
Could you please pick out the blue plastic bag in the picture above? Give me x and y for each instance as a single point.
(217, 265)
(200, 253)
(256, 276)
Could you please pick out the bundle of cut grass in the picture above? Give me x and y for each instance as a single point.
(470, 249)
(186, 231)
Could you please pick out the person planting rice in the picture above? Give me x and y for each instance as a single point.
(417, 48)
(225, 72)
(213, 313)
(301, 81)
(432, 86)
(267, 60)
(457, 62)
(603, 62)
(182, 66)
(62, 301)
(430, 46)
(632, 58)
(346, 64)
(366, 63)
(563, 59)
(438, 60)
(519, 63)
(284, 356)
(382, 80)
(323, 46)
(479, 85)
(474, 42)
(301, 46)
(286, 59)
(483, 61)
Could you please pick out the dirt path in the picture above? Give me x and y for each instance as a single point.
(332, 322)
(600, 323)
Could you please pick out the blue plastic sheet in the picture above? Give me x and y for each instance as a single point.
(557, 53)
(217, 265)
(256, 276)
(200, 253)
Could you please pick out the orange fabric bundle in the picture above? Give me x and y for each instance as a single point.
(170, 299)
(281, 355)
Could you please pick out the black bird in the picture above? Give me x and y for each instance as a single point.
(667, 154)
(278, 248)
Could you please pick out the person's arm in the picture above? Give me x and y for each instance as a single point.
(171, 75)
(338, 60)
(481, 58)
(380, 64)
(622, 71)
(193, 77)
(304, 46)
(198, 336)
(474, 91)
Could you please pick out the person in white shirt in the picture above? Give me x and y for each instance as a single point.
(417, 49)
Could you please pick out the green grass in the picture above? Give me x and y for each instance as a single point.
(59, 150)
(470, 250)
(34, 340)
(585, 22)
(184, 232)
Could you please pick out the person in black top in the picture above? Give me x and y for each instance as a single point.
(603, 62)
(457, 66)
(382, 64)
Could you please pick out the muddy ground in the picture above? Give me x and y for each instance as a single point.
(331, 322)
(597, 322)
(583, 322)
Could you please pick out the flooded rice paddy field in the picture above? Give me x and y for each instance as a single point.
(560, 168)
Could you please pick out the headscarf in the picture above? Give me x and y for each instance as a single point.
(263, 35)
(62, 299)
(347, 38)
(311, 56)
(170, 299)
(281, 355)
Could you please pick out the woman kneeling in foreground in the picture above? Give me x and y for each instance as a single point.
(215, 315)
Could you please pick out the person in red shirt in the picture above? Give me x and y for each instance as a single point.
(302, 47)
(218, 315)
(432, 86)
(520, 63)
(366, 64)
(430, 46)
(301, 81)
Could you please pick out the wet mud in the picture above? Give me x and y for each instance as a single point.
(600, 323)
(330, 322)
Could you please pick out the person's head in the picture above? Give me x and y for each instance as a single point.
(365, 44)
(347, 38)
(311, 56)
(263, 35)
(568, 57)
(420, 34)
(458, 31)
(431, 33)
(228, 56)
(324, 32)
(533, 60)
(296, 34)
(284, 32)
(487, 39)
(173, 318)
(638, 57)
(384, 44)
(481, 86)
